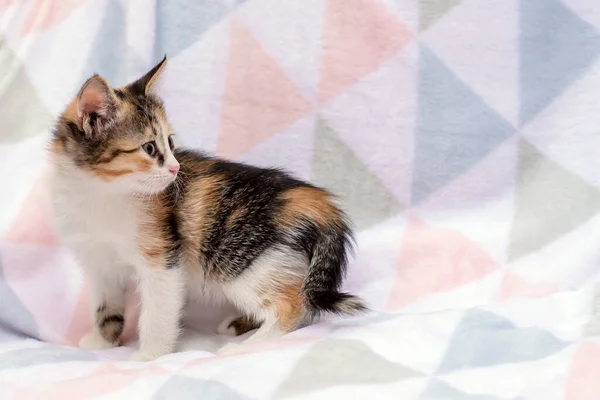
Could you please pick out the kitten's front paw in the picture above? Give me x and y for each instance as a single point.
(94, 341)
(139, 356)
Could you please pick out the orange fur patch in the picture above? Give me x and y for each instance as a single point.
(198, 208)
(311, 203)
(70, 113)
(151, 240)
(283, 295)
(108, 174)
(289, 305)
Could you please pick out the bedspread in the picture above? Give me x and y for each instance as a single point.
(462, 137)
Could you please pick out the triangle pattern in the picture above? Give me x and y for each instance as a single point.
(479, 203)
(111, 44)
(437, 390)
(484, 56)
(583, 383)
(29, 158)
(356, 41)
(556, 47)
(56, 86)
(434, 260)
(201, 66)
(46, 14)
(295, 46)
(180, 23)
(27, 267)
(455, 128)
(336, 168)
(482, 340)
(81, 323)
(371, 124)
(22, 322)
(568, 263)
(19, 101)
(259, 100)
(33, 224)
(538, 221)
(515, 286)
(340, 362)
(290, 150)
(586, 10)
(567, 130)
(432, 10)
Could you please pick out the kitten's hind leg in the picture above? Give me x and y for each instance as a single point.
(237, 325)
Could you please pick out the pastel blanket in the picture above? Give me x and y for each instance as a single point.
(462, 136)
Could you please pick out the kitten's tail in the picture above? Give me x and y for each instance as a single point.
(327, 271)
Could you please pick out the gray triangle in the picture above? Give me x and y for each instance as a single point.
(550, 201)
(432, 10)
(556, 48)
(336, 168)
(22, 113)
(15, 319)
(484, 339)
(335, 362)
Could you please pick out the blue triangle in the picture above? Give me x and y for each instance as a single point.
(111, 56)
(180, 23)
(484, 339)
(15, 319)
(556, 47)
(455, 128)
(437, 390)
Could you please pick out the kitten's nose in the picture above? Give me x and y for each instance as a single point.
(174, 169)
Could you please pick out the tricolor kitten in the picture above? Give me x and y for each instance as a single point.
(128, 204)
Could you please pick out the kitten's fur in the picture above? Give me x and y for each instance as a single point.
(272, 245)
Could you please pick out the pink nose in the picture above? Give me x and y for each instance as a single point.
(174, 169)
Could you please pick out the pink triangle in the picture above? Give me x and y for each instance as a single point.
(259, 100)
(515, 286)
(357, 40)
(436, 260)
(583, 383)
(45, 14)
(33, 225)
(82, 320)
(295, 46)
(40, 277)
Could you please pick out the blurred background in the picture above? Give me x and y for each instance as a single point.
(462, 137)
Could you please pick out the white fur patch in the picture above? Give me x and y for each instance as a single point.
(94, 341)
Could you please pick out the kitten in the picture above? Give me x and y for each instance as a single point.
(129, 204)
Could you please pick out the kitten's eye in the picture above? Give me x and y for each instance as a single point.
(149, 148)
(171, 144)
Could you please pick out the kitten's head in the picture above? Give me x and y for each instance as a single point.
(120, 137)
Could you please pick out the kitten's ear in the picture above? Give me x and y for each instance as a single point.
(147, 83)
(96, 106)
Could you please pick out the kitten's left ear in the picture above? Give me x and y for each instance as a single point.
(147, 83)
